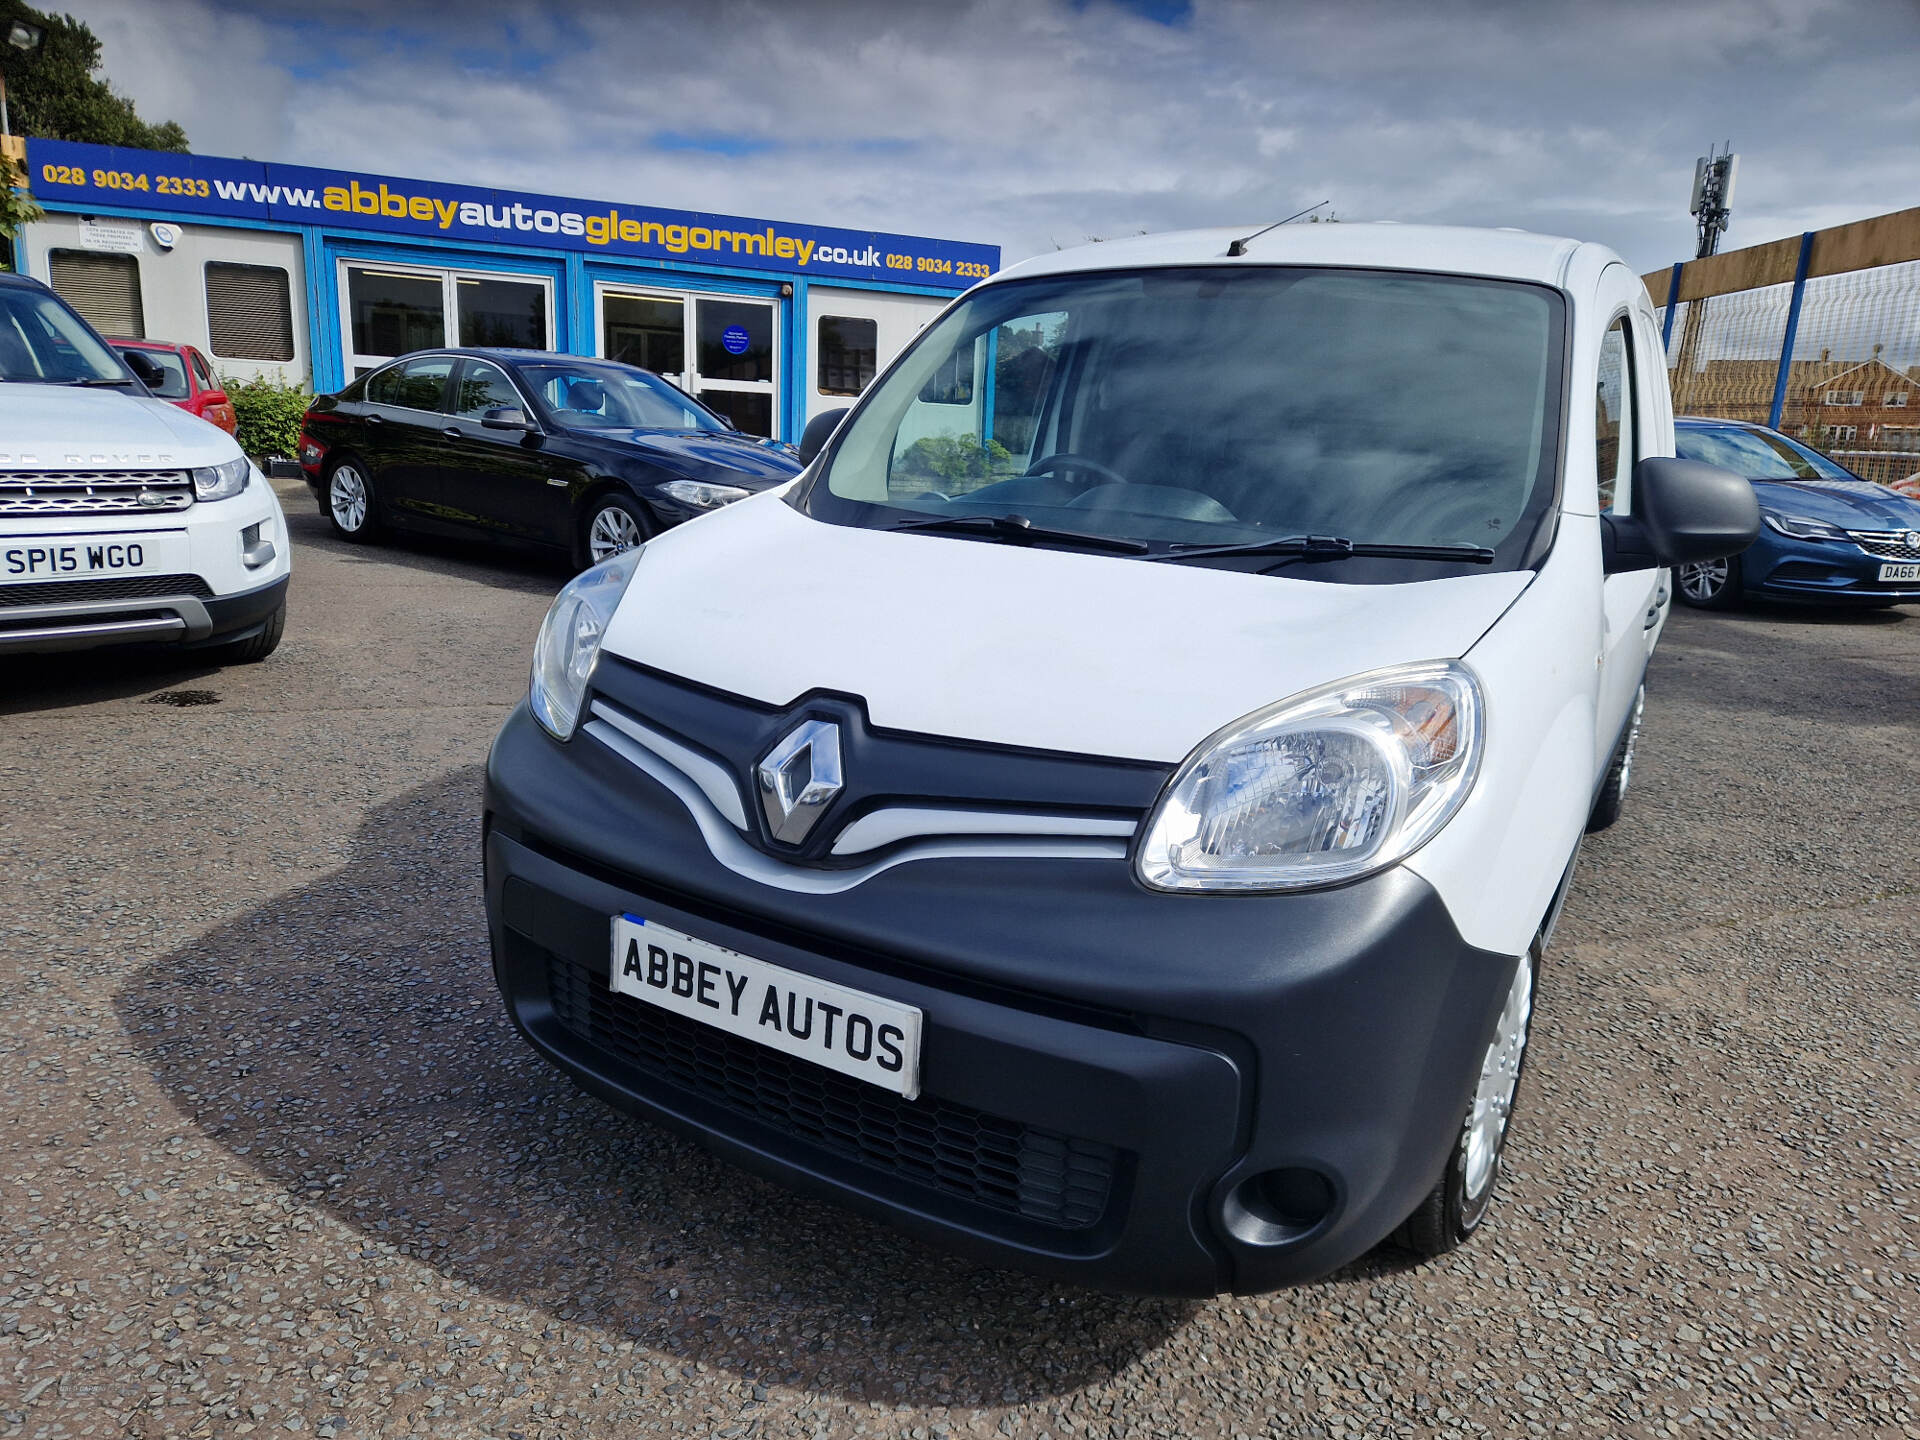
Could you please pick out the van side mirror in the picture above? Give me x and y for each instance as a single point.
(1683, 511)
(819, 430)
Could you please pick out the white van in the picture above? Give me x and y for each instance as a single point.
(1107, 814)
(123, 519)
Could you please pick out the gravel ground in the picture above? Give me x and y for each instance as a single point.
(273, 1162)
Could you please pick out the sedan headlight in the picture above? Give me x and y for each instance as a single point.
(1330, 785)
(221, 482)
(569, 643)
(1801, 528)
(703, 495)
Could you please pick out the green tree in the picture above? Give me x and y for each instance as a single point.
(57, 93)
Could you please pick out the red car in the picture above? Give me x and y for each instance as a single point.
(188, 380)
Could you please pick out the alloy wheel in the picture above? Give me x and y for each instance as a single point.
(1486, 1125)
(613, 530)
(347, 497)
(1703, 580)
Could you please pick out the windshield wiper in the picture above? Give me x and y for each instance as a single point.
(1022, 531)
(1333, 547)
(93, 380)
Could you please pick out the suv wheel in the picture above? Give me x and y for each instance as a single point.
(255, 648)
(350, 501)
(1455, 1207)
(1709, 584)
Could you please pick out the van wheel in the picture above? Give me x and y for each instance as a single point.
(350, 502)
(255, 648)
(1453, 1210)
(1613, 794)
(1709, 584)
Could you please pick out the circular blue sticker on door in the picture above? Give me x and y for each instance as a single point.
(736, 339)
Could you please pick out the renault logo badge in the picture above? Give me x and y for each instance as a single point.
(799, 779)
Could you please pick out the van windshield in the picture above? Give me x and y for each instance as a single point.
(1220, 406)
(43, 342)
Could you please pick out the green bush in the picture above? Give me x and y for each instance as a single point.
(955, 457)
(269, 415)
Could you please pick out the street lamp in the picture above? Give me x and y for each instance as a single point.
(26, 38)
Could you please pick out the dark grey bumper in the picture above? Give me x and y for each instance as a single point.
(1186, 1044)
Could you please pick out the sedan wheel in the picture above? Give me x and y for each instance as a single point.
(350, 501)
(1708, 584)
(612, 529)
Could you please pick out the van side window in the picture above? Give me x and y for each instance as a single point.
(1613, 420)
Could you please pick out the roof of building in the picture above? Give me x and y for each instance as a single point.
(1447, 249)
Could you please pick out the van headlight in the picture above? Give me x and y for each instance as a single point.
(1327, 786)
(569, 643)
(221, 482)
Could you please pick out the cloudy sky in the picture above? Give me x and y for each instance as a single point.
(1040, 123)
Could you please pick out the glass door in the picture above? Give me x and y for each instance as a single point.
(734, 360)
(722, 350)
(389, 310)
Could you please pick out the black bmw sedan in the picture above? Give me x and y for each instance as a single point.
(588, 456)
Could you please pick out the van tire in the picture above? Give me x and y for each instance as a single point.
(1450, 1215)
(1613, 792)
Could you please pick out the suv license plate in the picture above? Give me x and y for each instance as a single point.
(858, 1034)
(1899, 572)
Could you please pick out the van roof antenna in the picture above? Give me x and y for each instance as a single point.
(1239, 247)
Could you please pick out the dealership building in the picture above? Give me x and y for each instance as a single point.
(316, 276)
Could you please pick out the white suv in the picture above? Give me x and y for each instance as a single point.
(123, 519)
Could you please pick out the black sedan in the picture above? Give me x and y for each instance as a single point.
(588, 456)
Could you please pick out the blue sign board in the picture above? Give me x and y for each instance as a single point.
(736, 339)
(68, 173)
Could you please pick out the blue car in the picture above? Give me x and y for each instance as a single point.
(1827, 536)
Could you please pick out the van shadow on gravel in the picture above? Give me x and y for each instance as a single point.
(346, 1039)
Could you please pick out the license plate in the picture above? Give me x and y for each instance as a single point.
(1899, 572)
(91, 557)
(850, 1031)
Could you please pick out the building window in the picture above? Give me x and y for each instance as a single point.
(848, 351)
(1847, 433)
(1896, 400)
(105, 289)
(249, 312)
(1844, 397)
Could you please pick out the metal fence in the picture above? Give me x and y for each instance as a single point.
(1817, 335)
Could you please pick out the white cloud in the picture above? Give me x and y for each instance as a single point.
(1034, 122)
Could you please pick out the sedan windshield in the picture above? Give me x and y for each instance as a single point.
(1756, 454)
(43, 342)
(1214, 407)
(614, 397)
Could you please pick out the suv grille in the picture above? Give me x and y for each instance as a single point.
(998, 1163)
(94, 492)
(1887, 544)
(132, 587)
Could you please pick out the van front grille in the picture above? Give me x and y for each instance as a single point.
(998, 1163)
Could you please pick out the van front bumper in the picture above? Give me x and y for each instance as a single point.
(1161, 1094)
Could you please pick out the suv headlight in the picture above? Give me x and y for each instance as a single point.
(1327, 786)
(702, 494)
(221, 482)
(1801, 528)
(569, 643)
